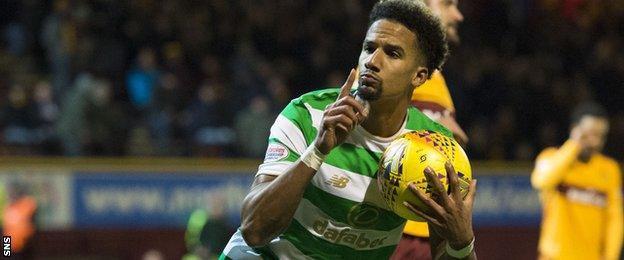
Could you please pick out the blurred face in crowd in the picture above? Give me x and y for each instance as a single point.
(17, 96)
(147, 59)
(102, 93)
(43, 92)
(591, 132)
(449, 15)
(210, 92)
(260, 104)
(169, 81)
(61, 6)
(390, 66)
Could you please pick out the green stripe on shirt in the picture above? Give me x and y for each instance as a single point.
(354, 159)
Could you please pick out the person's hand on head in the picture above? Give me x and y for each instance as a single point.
(580, 137)
(576, 134)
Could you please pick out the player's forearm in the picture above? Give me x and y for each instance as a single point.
(269, 209)
(549, 171)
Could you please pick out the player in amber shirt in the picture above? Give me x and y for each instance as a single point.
(434, 100)
(581, 194)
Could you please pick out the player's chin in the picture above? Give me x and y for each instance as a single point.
(370, 93)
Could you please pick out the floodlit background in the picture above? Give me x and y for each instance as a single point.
(122, 118)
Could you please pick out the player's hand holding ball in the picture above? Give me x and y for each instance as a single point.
(426, 176)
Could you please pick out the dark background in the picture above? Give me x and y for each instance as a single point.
(189, 78)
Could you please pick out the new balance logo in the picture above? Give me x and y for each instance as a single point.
(338, 181)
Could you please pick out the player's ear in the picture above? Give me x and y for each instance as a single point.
(420, 76)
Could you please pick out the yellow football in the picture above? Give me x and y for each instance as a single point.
(404, 162)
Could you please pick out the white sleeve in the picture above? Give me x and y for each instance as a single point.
(286, 144)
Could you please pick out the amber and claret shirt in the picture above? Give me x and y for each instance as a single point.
(582, 204)
(433, 97)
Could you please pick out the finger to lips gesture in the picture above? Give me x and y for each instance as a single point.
(451, 215)
(340, 118)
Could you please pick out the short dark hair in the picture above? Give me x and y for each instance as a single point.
(587, 109)
(416, 16)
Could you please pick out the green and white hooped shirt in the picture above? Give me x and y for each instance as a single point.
(342, 214)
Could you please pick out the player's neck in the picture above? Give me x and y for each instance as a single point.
(386, 117)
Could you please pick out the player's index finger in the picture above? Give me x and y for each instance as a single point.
(346, 88)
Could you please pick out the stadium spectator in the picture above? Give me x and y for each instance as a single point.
(48, 114)
(278, 92)
(207, 120)
(59, 39)
(252, 126)
(71, 126)
(164, 112)
(142, 79)
(19, 118)
(174, 62)
(91, 121)
(105, 121)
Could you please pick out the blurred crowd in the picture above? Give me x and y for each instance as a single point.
(207, 78)
(524, 65)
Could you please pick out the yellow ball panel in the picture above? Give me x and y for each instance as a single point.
(413, 172)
